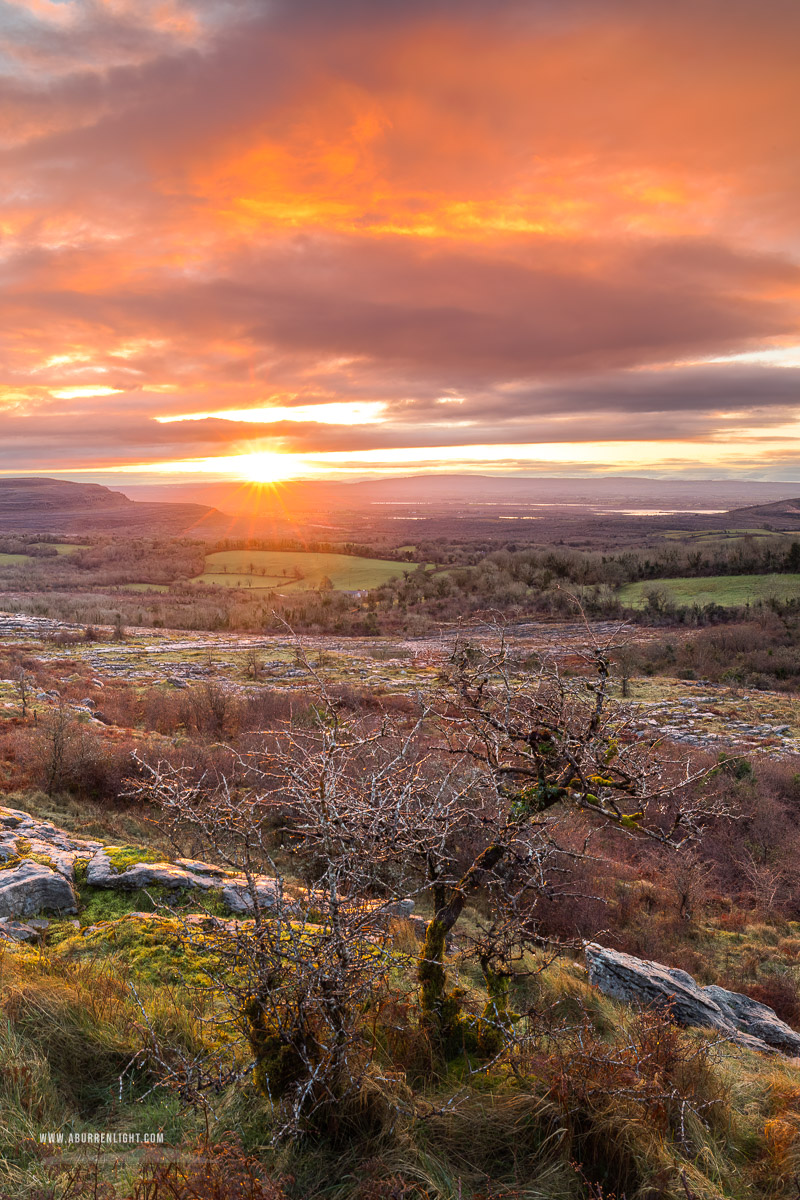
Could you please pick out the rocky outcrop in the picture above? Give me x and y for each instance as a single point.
(23, 837)
(41, 862)
(22, 931)
(31, 888)
(756, 1019)
(239, 898)
(735, 1016)
(101, 872)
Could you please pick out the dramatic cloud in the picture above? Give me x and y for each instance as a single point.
(512, 224)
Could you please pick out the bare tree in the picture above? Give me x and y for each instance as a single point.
(24, 683)
(302, 975)
(467, 801)
(57, 734)
(546, 745)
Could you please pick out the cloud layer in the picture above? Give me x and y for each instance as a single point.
(518, 223)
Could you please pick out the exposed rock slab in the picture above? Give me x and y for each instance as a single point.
(31, 888)
(101, 873)
(239, 898)
(23, 836)
(43, 853)
(757, 1019)
(735, 1016)
(18, 931)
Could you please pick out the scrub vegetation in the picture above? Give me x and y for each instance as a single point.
(447, 730)
(334, 1046)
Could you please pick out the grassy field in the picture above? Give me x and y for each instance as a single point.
(707, 536)
(701, 534)
(292, 570)
(9, 560)
(714, 589)
(67, 547)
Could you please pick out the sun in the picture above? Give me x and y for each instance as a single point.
(265, 466)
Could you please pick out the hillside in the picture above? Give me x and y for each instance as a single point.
(58, 506)
(455, 489)
(783, 514)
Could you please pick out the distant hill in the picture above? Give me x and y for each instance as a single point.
(57, 506)
(448, 490)
(478, 506)
(783, 514)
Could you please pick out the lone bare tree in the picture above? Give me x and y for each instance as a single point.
(24, 682)
(545, 744)
(467, 799)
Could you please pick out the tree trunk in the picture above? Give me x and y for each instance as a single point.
(440, 1010)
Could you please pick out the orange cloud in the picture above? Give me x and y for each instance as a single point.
(209, 203)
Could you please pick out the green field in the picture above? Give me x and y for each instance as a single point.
(66, 547)
(719, 535)
(714, 589)
(293, 570)
(9, 560)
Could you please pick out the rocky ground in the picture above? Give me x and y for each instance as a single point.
(44, 871)
(694, 713)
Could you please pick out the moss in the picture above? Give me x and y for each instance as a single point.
(23, 847)
(44, 859)
(440, 1009)
(278, 1060)
(122, 857)
(105, 904)
(496, 1019)
(155, 950)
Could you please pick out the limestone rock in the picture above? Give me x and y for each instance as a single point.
(41, 850)
(18, 931)
(23, 836)
(238, 898)
(100, 873)
(757, 1019)
(736, 1017)
(31, 888)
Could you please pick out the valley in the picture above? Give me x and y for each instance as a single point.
(241, 776)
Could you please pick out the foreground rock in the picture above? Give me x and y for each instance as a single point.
(31, 888)
(101, 872)
(20, 931)
(735, 1016)
(41, 862)
(23, 837)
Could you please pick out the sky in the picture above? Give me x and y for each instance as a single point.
(267, 239)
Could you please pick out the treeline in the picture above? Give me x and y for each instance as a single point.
(762, 652)
(36, 545)
(303, 545)
(98, 582)
(101, 563)
(136, 560)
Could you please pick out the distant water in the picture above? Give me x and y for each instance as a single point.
(598, 510)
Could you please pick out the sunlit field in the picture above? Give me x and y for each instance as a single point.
(727, 590)
(291, 570)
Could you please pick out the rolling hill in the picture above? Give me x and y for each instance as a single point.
(58, 506)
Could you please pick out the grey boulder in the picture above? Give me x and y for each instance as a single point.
(33, 887)
(238, 895)
(18, 931)
(757, 1019)
(735, 1016)
(100, 873)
